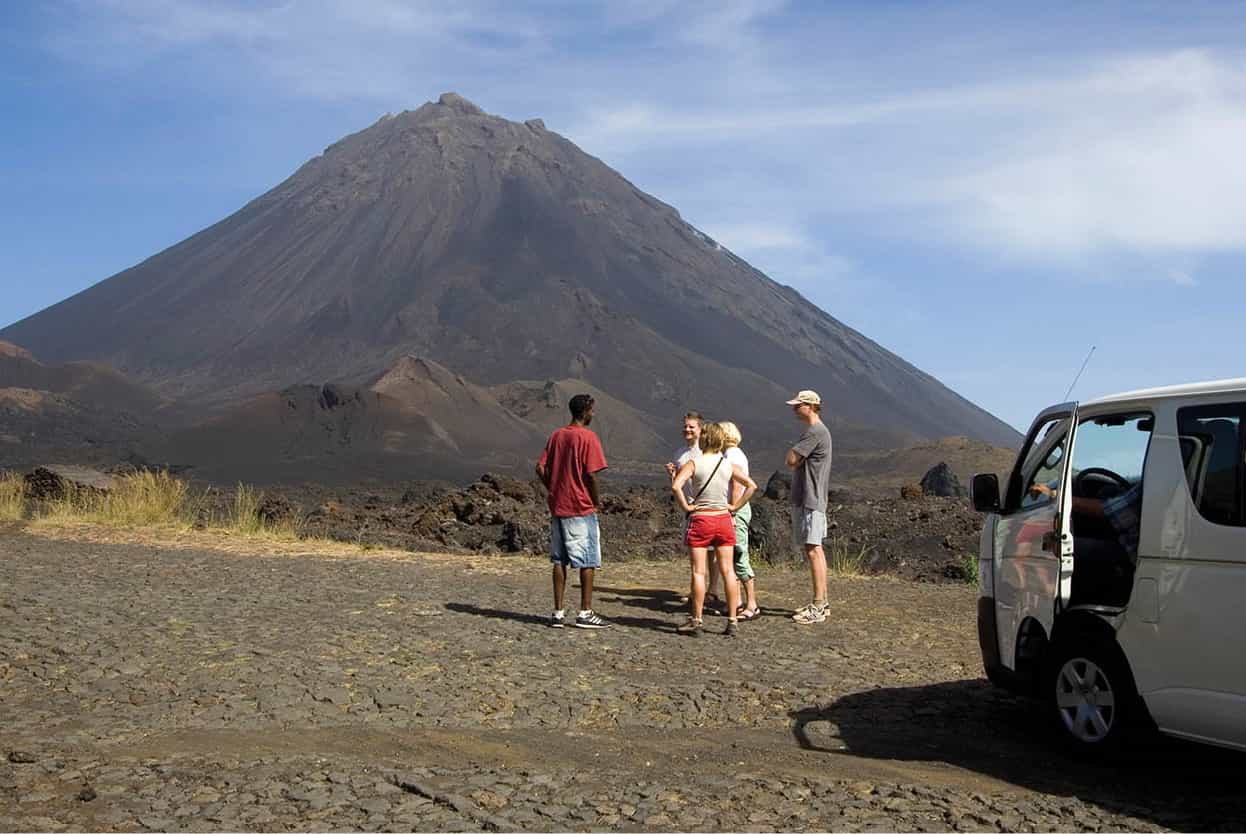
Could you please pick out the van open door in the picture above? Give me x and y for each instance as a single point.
(1063, 524)
(1028, 549)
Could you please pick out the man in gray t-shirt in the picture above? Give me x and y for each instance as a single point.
(810, 461)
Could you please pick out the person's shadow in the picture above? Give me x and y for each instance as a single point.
(976, 726)
(661, 600)
(666, 601)
(535, 619)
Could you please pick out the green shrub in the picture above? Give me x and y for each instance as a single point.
(969, 568)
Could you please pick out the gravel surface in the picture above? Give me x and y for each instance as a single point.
(176, 686)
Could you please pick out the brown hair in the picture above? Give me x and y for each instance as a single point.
(694, 415)
(712, 439)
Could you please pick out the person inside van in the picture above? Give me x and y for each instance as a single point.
(1105, 567)
(1123, 512)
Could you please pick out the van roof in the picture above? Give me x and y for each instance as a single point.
(1215, 386)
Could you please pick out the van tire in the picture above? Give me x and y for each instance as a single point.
(1090, 693)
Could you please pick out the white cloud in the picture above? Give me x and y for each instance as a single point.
(1137, 154)
(1060, 161)
(750, 236)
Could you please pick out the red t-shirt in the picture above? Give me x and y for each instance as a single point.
(570, 454)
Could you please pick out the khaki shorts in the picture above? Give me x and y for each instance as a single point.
(808, 526)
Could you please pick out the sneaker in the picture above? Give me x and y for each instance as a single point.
(692, 627)
(557, 619)
(811, 614)
(732, 629)
(587, 619)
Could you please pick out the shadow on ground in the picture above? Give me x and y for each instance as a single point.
(973, 725)
(674, 603)
(536, 619)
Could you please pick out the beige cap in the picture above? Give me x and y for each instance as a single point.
(807, 397)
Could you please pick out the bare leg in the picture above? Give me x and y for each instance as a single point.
(750, 593)
(586, 589)
(726, 568)
(560, 585)
(817, 569)
(697, 558)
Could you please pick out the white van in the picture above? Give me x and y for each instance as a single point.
(1112, 570)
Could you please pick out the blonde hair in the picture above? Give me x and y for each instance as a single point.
(731, 433)
(712, 439)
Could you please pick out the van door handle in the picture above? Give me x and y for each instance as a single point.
(1051, 542)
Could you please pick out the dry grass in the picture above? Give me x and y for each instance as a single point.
(246, 519)
(846, 559)
(12, 496)
(159, 500)
(141, 499)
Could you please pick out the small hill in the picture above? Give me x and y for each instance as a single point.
(8, 349)
(41, 427)
(329, 433)
(91, 383)
(627, 434)
(465, 415)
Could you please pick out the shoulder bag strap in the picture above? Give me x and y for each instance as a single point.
(710, 478)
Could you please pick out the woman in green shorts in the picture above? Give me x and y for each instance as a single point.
(743, 569)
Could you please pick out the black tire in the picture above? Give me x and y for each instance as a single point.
(1090, 693)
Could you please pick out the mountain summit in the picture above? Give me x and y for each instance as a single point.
(501, 252)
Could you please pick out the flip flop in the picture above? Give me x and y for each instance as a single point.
(748, 613)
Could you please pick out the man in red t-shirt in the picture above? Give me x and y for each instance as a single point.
(568, 467)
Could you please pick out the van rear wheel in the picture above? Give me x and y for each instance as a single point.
(1090, 693)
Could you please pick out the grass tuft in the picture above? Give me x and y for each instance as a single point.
(245, 517)
(845, 559)
(12, 496)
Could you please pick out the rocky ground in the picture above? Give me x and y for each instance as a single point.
(189, 683)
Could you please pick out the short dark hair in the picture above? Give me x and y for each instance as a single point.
(579, 405)
(694, 415)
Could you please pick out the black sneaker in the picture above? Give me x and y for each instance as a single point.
(587, 619)
(732, 629)
(557, 620)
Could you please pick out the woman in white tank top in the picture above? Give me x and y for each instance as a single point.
(710, 524)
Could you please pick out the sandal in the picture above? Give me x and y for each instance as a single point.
(748, 613)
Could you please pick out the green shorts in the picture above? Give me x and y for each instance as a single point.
(743, 570)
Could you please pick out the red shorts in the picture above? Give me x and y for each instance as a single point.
(710, 531)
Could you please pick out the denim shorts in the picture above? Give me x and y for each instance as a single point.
(575, 541)
(808, 526)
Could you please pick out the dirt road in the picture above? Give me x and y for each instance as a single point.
(177, 686)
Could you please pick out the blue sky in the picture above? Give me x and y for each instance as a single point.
(986, 189)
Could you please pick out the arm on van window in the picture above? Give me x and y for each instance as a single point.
(1086, 506)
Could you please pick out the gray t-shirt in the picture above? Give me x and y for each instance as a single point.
(812, 477)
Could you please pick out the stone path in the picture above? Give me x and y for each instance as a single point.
(181, 687)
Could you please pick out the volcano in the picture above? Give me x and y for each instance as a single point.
(499, 252)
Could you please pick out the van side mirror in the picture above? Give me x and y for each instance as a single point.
(984, 492)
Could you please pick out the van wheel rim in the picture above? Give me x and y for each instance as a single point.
(1085, 700)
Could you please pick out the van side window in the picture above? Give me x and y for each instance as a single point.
(1110, 456)
(1211, 440)
(1046, 471)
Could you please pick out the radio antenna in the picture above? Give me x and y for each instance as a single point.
(1085, 362)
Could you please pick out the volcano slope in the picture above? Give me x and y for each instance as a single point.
(502, 252)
